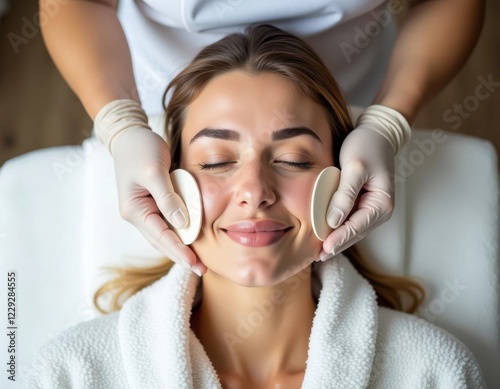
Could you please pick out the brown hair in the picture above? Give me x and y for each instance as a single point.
(262, 48)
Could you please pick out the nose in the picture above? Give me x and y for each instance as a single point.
(254, 189)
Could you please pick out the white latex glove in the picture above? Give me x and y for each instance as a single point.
(145, 193)
(367, 177)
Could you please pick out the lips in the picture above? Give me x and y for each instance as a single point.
(257, 233)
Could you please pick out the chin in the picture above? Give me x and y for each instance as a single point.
(257, 272)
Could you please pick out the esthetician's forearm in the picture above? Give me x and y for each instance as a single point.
(88, 46)
(434, 42)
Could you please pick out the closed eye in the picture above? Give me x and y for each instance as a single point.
(213, 166)
(300, 165)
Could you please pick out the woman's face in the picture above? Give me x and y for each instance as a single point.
(255, 144)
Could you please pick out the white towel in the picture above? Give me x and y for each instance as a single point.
(353, 343)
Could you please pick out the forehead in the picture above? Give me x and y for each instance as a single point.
(246, 102)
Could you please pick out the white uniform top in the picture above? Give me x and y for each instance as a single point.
(353, 37)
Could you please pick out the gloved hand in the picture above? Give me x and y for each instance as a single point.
(145, 193)
(367, 177)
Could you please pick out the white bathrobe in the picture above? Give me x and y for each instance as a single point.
(353, 343)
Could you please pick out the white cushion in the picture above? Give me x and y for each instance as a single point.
(452, 242)
(41, 214)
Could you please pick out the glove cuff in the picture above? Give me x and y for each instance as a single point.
(116, 117)
(387, 122)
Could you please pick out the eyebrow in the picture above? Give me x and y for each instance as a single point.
(233, 135)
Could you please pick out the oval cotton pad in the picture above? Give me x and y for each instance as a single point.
(186, 187)
(325, 186)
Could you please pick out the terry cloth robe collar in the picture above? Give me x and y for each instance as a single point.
(159, 347)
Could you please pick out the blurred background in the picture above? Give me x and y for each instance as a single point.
(38, 110)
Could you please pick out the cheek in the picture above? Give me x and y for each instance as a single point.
(296, 196)
(214, 195)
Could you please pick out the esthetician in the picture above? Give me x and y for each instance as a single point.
(118, 58)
